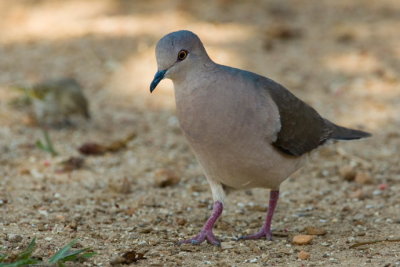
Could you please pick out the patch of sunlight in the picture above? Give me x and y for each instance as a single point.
(352, 63)
(49, 19)
(396, 50)
(369, 102)
(131, 82)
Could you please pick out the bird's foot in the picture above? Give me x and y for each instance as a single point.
(263, 233)
(206, 233)
(201, 237)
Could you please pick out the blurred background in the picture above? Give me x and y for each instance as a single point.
(342, 57)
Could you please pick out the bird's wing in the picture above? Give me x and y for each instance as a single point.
(302, 128)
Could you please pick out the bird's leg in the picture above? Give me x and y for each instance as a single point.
(206, 232)
(265, 231)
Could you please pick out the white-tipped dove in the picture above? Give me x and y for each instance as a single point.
(246, 130)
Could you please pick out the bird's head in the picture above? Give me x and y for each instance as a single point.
(177, 53)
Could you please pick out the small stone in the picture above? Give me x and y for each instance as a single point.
(60, 217)
(315, 231)
(146, 230)
(73, 225)
(359, 194)
(42, 227)
(165, 177)
(116, 260)
(377, 192)
(227, 245)
(13, 238)
(253, 260)
(348, 173)
(181, 221)
(302, 239)
(130, 211)
(198, 188)
(24, 171)
(257, 208)
(43, 212)
(303, 255)
(363, 178)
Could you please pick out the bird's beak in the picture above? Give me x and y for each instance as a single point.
(157, 78)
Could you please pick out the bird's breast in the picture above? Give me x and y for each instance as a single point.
(220, 117)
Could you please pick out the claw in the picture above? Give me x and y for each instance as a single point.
(200, 238)
(259, 235)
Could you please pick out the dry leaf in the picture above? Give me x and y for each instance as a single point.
(92, 148)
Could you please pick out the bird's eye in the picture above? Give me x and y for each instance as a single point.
(182, 55)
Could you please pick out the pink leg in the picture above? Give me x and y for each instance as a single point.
(265, 231)
(206, 232)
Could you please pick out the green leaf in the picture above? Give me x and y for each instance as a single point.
(20, 263)
(47, 145)
(88, 255)
(72, 255)
(40, 145)
(66, 254)
(27, 253)
(63, 252)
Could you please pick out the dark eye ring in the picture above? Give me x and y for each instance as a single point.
(182, 55)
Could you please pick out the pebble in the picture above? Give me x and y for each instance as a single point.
(116, 260)
(315, 231)
(146, 230)
(347, 172)
(14, 238)
(363, 178)
(303, 255)
(165, 178)
(377, 192)
(43, 212)
(325, 244)
(253, 260)
(181, 221)
(227, 245)
(302, 239)
(359, 194)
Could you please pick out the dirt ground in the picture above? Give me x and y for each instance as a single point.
(342, 57)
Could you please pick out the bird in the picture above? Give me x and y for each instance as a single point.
(56, 101)
(246, 130)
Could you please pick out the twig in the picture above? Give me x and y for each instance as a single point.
(356, 245)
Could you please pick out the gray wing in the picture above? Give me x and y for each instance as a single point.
(302, 128)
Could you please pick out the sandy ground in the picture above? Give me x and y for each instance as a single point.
(342, 57)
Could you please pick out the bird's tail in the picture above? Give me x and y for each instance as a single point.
(343, 133)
